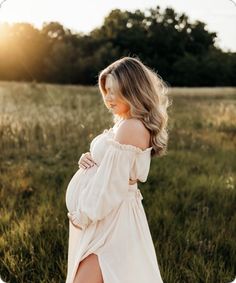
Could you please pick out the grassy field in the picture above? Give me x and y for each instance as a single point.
(189, 197)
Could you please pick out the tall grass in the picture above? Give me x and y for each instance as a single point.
(189, 197)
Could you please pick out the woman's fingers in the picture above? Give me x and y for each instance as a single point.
(90, 159)
(86, 160)
(71, 220)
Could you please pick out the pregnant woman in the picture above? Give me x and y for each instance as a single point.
(109, 236)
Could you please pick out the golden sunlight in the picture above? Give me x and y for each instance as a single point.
(13, 11)
(3, 32)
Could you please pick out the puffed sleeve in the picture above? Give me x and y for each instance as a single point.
(107, 187)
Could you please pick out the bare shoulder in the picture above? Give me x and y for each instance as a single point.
(132, 131)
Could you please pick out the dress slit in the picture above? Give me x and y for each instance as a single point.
(102, 268)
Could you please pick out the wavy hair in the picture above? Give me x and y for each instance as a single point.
(145, 92)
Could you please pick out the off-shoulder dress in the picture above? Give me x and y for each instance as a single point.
(110, 212)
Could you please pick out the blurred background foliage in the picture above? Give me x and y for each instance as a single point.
(182, 52)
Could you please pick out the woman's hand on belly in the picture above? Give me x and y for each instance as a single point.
(70, 218)
(86, 160)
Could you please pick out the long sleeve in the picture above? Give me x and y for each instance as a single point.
(107, 187)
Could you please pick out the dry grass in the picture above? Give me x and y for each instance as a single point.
(189, 197)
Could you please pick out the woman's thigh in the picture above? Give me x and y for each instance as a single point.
(89, 270)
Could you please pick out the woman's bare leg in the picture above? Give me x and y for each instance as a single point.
(89, 270)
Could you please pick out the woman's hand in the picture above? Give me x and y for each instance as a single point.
(71, 220)
(131, 182)
(86, 161)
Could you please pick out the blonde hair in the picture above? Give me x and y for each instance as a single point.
(146, 94)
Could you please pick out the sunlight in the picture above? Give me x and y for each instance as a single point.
(75, 15)
(13, 11)
(3, 32)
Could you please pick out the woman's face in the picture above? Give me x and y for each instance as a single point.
(116, 104)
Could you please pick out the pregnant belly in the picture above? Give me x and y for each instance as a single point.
(76, 185)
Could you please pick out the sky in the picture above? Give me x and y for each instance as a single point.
(83, 16)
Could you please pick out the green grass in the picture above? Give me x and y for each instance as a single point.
(189, 197)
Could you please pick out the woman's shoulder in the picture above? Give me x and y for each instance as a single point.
(133, 122)
(132, 131)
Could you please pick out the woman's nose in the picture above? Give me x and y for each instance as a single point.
(109, 98)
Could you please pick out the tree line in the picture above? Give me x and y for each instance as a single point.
(182, 52)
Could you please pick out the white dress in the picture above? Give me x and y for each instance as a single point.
(111, 214)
